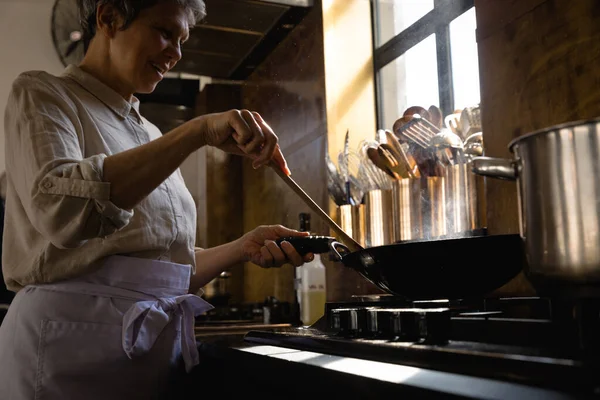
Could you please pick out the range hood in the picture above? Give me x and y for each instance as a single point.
(237, 35)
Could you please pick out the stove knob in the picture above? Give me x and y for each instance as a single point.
(404, 325)
(353, 322)
(379, 323)
(348, 322)
(434, 325)
(334, 320)
(372, 322)
(393, 323)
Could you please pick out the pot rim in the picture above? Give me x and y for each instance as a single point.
(569, 124)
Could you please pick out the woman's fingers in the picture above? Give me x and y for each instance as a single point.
(280, 160)
(279, 257)
(292, 255)
(267, 257)
(242, 132)
(276, 256)
(309, 257)
(270, 142)
(257, 140)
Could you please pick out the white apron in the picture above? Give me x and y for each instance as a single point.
(123, 332)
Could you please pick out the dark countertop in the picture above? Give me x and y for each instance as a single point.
(233, 367)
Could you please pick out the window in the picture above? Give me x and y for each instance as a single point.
(425, 54)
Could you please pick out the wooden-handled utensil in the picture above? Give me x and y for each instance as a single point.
(409, 162)
(342, 236)
(437, 118)
(386, 152)
(373, 153)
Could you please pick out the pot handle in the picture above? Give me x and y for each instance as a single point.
(500, 168)
(334, 249)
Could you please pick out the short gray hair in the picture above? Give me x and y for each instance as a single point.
(129, 10)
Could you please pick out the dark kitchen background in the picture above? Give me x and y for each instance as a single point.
(315, 69)
(332, 75)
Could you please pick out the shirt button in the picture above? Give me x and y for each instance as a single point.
(48, 184)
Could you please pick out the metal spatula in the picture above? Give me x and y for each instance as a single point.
(343, 237)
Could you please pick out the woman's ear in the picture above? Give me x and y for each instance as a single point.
(108, 19)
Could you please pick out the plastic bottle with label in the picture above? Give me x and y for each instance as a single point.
(310, 283)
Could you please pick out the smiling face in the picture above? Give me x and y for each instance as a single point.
(149, 47)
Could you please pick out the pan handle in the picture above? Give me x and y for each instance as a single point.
(308, 244)
(334, 249)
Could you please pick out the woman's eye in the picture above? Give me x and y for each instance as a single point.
(164, 33)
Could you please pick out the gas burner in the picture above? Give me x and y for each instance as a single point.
(539, 341)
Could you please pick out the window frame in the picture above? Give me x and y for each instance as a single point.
(437, 22)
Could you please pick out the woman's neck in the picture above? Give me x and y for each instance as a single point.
(98, 64)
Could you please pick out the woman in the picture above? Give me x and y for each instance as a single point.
(100, 228)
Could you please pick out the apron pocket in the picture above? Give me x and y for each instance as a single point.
(83, 360)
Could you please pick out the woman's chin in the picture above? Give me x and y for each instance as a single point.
(147, 87)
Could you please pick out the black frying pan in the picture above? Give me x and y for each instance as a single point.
(420, 270)
(455, 268)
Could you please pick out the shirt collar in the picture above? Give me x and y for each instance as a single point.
(105, 94)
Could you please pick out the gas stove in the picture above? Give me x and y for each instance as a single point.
(550, 343)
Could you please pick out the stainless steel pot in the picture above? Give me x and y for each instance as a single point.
(557, 170)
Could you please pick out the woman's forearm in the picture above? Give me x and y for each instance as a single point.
(211, 262)
(135, 173)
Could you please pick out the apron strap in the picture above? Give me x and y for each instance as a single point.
(145, 320)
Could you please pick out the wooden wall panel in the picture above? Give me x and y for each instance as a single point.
(288, 90)
(268, 200)
(538, 70)
(219, 194)
(538, 61)
(494, 15)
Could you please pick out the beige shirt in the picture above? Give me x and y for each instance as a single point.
(60, 222)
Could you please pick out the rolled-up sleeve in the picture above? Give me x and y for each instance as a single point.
(62, 192)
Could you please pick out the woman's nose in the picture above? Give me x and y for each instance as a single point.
(174, 52)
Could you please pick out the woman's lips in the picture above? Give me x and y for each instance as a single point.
(159, 70)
